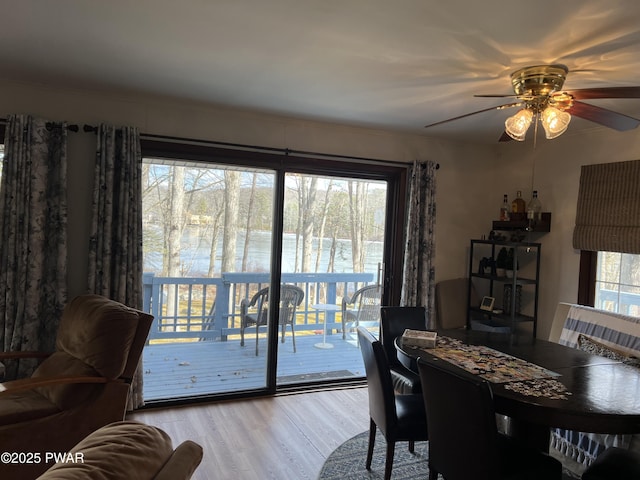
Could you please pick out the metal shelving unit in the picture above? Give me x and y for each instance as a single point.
(526, 255)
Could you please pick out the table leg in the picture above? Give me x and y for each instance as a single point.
(324, 344)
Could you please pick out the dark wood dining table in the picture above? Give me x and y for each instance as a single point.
(602, 395)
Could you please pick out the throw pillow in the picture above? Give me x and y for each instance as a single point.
(594, 347)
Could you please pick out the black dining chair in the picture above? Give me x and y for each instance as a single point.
(393, 322)
(399, 417)
(614, 464)
(464, 442)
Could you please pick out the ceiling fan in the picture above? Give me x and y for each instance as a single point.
(538, 90)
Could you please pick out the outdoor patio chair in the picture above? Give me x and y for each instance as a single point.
(291, 297)
(362, 309)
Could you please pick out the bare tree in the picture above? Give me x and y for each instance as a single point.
(298, 180)
(247, 234)
(357, 202)
(231, 209)
(323, 222)
(215, 235)
(175, 223)
(307, 212)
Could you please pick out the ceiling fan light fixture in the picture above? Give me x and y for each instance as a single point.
(554, 122)
(517, 125)
(539, 79)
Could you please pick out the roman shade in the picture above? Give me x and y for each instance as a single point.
(608, 211)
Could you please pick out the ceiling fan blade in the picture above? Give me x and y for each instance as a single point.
(496, 95)
(603, 116)
(499, 107)
(605, 92)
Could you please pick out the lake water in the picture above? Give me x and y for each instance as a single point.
(196, 247)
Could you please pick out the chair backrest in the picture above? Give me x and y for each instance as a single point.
(261, 301)
(97, 336)
(382, 407)
(104, 334)
(462, 425)
(291, 297)
(394, 321)
(367, 303)
(451, 302)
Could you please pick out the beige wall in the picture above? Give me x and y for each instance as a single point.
(556, 166)
(470, 184)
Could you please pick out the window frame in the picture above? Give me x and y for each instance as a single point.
(587, 277)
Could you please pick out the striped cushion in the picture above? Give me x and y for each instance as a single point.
(616, 331)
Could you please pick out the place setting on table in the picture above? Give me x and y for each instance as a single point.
(537, 384)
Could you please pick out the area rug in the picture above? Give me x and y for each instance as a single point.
(347, 461)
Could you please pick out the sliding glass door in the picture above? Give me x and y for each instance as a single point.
(257, 277)
(332, 249)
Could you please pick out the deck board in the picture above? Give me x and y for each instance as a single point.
(178, 370)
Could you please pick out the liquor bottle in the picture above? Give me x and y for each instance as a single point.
(518, 205)
(504, 209)
(534, 209)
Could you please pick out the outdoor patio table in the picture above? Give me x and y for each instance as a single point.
(326, 307)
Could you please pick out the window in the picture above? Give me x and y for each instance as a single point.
(607, 232)
(617, 283)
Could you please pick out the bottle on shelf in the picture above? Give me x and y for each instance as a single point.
(504, 209)
(534, 209)
(518, 205)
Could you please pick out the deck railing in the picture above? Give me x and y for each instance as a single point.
(616, 301)
(209, 308)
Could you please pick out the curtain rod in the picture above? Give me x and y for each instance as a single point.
(72, 128)
(51, 125)
(284, 151)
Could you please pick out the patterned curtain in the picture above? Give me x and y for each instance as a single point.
(115, 251)
(418, 285)
(33, 229)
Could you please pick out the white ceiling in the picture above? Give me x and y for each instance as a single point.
(392, 64)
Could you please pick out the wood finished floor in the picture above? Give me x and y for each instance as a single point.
(280, 438)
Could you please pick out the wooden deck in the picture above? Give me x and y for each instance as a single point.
(179, 370)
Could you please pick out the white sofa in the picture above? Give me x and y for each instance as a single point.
(619, 334)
